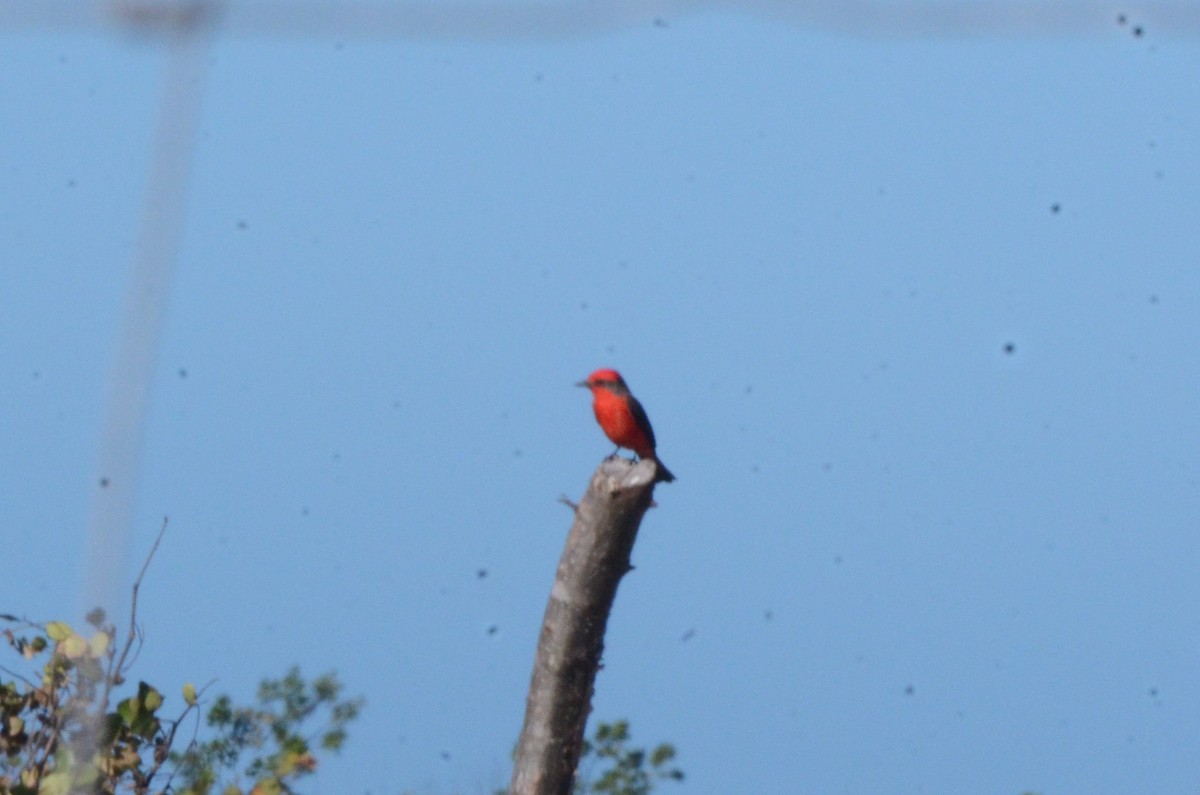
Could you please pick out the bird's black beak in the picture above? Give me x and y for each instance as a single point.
(583, 383)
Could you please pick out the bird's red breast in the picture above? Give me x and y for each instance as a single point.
(622, 418)
(619, 419)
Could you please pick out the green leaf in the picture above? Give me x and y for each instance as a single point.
(145, 725)
(151, 699)
(112, 727)
(59, 630)
(663, 753)
(332, 740)
(128, 710)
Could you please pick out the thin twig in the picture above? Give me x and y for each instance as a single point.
(56, 725)
(195, 734)
(167, 742)
(117, 664)
(16, 675)
(137, 652)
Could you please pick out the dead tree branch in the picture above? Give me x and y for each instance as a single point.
(594, 560)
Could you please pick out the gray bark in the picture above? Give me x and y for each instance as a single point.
(594, 560)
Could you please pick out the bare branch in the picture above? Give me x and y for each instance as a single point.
(594, 560)
(117, 664)
(195, 732)
(16, 675)
(163, 752)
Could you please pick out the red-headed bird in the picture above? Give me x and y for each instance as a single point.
(622, 418)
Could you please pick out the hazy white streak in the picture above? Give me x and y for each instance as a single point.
(133, 368)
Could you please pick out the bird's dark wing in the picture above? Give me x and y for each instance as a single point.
(639, 416)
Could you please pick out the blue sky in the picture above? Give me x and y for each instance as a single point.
(904, 558)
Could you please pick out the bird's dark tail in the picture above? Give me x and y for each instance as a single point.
(663, 474)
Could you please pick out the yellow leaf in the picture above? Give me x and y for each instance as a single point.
(153, 699)
(59, 630)
(74, 647)
(99, 644)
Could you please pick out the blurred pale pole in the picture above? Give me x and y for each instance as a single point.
(137, 342)
(160, 230)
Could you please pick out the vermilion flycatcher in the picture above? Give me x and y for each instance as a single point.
(622, 418)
